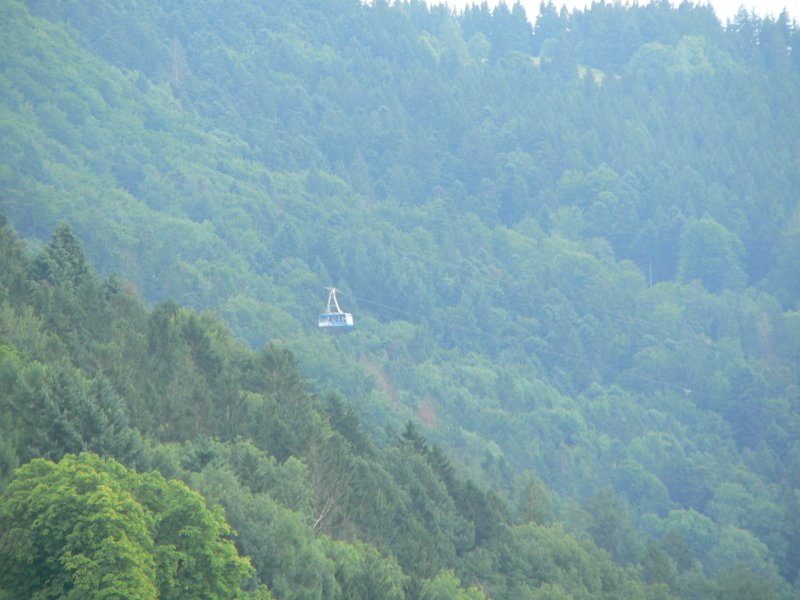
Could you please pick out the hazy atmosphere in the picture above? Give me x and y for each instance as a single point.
(324, 299)
(724, 9)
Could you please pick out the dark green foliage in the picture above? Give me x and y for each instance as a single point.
(62, 263)
(407, 502)
(282, 547)
(52, 410)
(476, 506)
(344, 421)
(284, 475)
(740, 583)
(610, 526)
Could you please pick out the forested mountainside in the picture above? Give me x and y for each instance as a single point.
(107, 406)
(571, 249)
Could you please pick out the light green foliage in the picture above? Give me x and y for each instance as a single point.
(362, 573)
(446, 586)
(547, 561)
(737, 546)
(194, 557)
(279, 541)
(73, 530)
(712, 254)
(785, 280)
(88, 528)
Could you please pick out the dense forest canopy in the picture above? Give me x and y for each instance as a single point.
(571, 248)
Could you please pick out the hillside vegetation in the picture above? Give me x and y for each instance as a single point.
(108, 406)
(571, 249)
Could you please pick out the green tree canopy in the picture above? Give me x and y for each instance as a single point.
(87, 527)
(712, 254)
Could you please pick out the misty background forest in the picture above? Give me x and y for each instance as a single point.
(571, 248)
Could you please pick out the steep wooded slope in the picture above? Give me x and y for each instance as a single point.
(571, 251)
(90, 379)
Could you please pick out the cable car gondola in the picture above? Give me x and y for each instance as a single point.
(334, 319)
